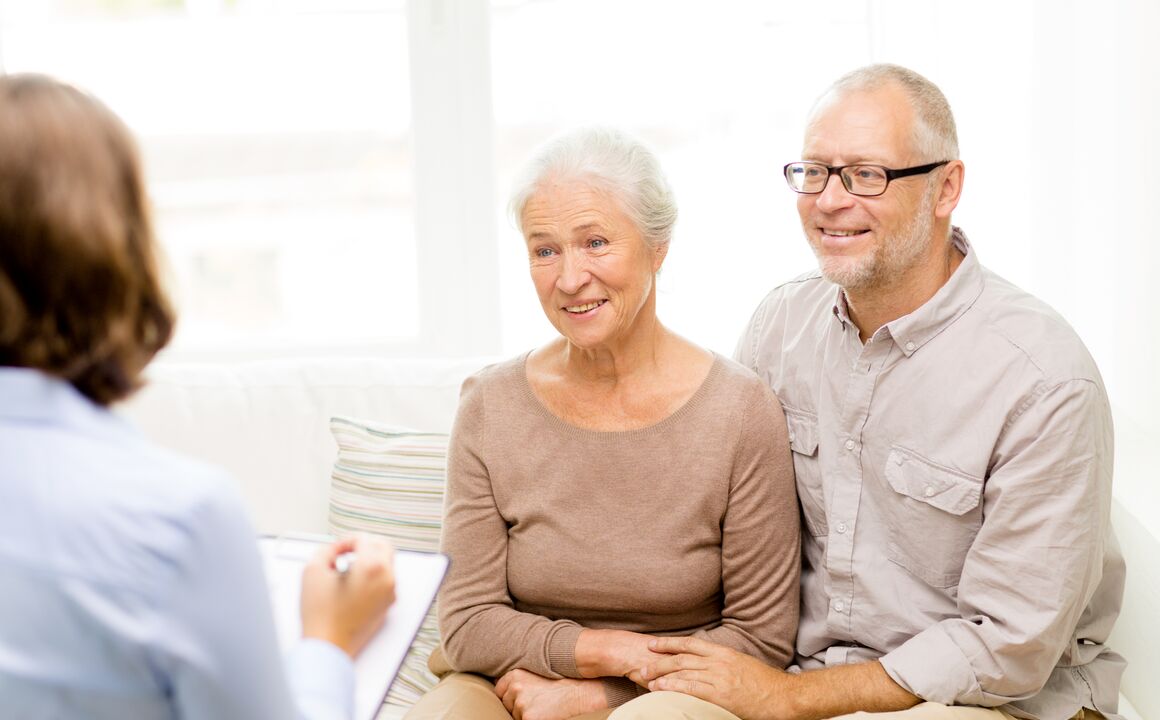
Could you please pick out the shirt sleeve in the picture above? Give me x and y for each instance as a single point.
(761, 539)
(216, 629)
(746, 351)
(322, 680)
(1036, 561)
(481, 629)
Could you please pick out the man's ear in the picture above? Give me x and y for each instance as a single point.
(950, 190)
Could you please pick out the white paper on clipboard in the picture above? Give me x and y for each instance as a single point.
(417, 579)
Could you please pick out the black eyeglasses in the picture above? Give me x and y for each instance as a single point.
(810, 178)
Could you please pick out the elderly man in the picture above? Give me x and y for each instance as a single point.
(952, 442)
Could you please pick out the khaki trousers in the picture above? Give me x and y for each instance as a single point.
(467, 696)
(675, 706)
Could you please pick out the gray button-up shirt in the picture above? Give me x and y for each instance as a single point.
(955, 478)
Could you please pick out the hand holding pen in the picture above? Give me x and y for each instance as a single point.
(344, 600)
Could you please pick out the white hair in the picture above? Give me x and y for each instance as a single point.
(934, 137)
(613, 161)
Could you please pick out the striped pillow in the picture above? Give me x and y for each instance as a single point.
(390, 481)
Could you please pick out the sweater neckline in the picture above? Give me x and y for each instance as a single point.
(687, 408)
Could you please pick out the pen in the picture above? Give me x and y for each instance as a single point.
(343, 562)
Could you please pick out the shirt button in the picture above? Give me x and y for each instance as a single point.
(928, 491)
(791, 436)
(839, 606)
(841, 528)
(909, 347)
(849, 444)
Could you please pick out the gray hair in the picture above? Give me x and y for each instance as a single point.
(610, 160)
(934, 136)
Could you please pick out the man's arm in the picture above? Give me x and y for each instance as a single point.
(1030, 573)
(1035, 563)
(755, 691)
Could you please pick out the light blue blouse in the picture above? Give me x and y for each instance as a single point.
(130, 581)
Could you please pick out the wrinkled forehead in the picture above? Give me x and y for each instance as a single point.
(570, 189)
(865, 125)
(570, 203)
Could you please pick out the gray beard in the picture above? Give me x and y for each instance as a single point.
(891, 258)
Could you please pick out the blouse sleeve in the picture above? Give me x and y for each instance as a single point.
(215, 632)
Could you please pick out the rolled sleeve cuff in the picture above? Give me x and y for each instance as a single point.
(322, 680)
(931, 666)
(562, 650)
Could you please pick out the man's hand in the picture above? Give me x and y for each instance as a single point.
(737, 682)
(528, 696)
(750, 689)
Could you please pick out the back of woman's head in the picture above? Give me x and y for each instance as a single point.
(80, 292)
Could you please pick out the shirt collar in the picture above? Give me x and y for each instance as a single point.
(34, 395)
(842, 309)
(910, 332)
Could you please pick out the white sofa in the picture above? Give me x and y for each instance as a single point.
(267, 422)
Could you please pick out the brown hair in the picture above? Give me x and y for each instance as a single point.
(80, 291)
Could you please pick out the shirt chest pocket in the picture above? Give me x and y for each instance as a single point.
(935, 514)
(803, 441)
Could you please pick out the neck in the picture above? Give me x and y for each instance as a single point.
(623, 358)
(872, 307)
(613, 365)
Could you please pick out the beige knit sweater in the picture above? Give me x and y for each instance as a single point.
(689, 526)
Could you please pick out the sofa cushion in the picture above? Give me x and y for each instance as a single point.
(389, 481)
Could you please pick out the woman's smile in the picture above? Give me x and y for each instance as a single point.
(586, 308)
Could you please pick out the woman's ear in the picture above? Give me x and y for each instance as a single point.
(659, 253)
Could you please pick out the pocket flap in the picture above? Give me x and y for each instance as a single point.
(803, 432)
(914, 476)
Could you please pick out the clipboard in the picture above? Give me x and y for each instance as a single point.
(418, 576)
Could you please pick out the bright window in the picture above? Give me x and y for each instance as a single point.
(713, 88)
(278, 146)
(330, 176)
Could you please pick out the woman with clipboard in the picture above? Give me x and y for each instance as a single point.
(132, 584)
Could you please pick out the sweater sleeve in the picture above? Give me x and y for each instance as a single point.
(481, 629)
(761, 540)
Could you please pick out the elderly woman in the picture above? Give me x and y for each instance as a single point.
(616, 483)
(131, 582)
